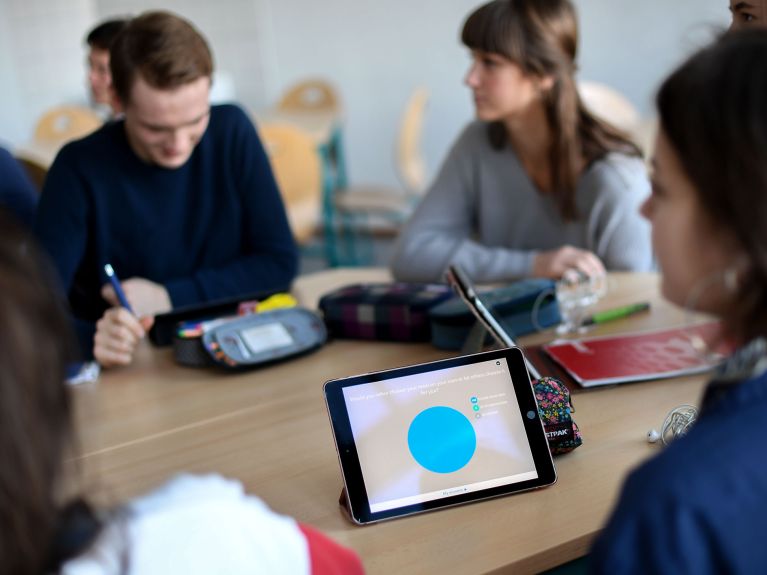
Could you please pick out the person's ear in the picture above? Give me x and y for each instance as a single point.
(545, 83)
(740, 267)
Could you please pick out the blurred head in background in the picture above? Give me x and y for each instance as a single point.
(100, 40)
(748, 14)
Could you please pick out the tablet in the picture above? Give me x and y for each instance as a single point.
(438, 434)
(462, 285)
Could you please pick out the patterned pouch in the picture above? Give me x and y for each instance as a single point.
(554, 408)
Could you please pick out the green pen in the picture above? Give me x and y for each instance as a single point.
(617, 313)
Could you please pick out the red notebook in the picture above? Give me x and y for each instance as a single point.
(633, 357)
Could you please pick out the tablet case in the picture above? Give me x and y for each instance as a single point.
(382, 311)
(512, 305)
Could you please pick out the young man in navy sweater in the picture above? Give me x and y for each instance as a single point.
(177, 196)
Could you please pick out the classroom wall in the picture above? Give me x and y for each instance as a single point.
(234, 29)
(382, 52)
(375, 53)
(41, 60)
(633, 45)
(9, 98)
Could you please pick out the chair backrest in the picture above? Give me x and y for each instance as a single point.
(411, 167)
(65, 123)
(36, 171)
(609, 105)
(297, 169)
(310, 95)
(644, 136)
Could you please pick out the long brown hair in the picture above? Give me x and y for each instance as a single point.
(35, 407)
(713, 111)
(541, 37)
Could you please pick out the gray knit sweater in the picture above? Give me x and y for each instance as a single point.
(484, 213)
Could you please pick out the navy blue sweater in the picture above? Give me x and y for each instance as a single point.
(213, 228)
(700, 505)
(17, 192)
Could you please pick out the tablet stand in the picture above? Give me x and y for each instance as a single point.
(345, 505)
(475, 341)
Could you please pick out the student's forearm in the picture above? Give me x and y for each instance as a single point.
(426, 258)
(246, 275)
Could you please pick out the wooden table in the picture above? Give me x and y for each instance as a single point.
(269, 429)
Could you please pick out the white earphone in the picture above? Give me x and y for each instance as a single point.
(677, 423)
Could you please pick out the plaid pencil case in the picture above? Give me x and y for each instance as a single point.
(384, 311)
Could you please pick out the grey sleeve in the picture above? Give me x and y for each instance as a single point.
(442, 229)
(620, 236)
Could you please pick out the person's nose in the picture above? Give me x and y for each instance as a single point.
(472, 76)
(181, 142)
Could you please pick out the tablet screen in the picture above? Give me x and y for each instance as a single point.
(448, 432)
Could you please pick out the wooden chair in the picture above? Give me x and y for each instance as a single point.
(411, 169)
(610, 105)
(411, 166)
(615, 109)
(644, 137)
(296, 166)
(65, 123)
(313, 95)
(391, 206)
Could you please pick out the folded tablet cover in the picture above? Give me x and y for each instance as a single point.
(633, 357)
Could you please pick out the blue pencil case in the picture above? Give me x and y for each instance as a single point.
(513, 305)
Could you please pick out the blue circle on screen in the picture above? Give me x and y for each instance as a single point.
(442, 439)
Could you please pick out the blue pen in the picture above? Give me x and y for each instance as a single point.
(117, 287)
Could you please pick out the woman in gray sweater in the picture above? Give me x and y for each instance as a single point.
(536, 185)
